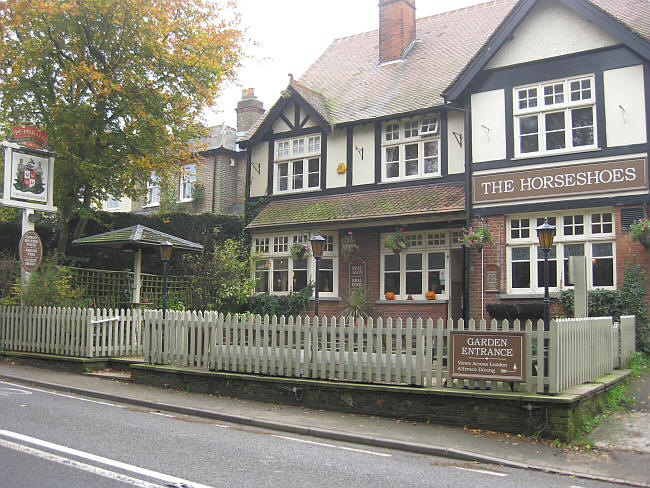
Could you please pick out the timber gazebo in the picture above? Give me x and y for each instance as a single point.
(137, 239)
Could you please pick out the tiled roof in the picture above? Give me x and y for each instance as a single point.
(634, 14)
(356, 87)
(218, 137)
(370, 205)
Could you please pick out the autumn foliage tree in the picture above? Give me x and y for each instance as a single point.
(117, 84)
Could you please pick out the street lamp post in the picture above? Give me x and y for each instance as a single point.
(545, 234)
(165, 254)
(317, 247)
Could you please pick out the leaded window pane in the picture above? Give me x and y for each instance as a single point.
(411, 159)
(392, 162)
(555, 131)
(528, 130)
(582, 122)
(430, 150)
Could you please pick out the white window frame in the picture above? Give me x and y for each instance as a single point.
(112, 203)
(541, 109)
(399, 134)
(152, 197)
(421, 242)
(186, 182)
(295, 150)
(269, 247)
(588, 238)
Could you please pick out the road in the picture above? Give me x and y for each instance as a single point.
(51, 439)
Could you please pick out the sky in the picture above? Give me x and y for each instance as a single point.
(289, 35)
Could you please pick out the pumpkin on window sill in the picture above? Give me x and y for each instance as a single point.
(389, 295)
(430, 295)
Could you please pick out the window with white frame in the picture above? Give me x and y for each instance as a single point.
(297, 164)
(555, 116)
(411, 148)
(422, 267)
(152, 197)
(187, 182)
(578, 233)
(278, 273)
(112, 203)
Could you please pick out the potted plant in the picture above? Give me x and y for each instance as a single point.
(299, 250)
(476, 236)
(640, 231)
(349, 245)
(396, 241)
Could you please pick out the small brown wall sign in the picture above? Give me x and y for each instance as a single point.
(357, 273)
(482, 355)
(30, 251)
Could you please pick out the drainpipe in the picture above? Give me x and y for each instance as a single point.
(214, 182)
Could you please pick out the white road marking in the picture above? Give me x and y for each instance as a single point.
(163, 415)
(482, 471)
(102, 460)
(67, 396)
(77, 465)
(13, 391)
(334, 446)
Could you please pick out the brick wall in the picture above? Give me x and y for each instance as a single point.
(396, 28)
(628, 252)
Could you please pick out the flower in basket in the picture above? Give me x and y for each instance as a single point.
(476, 236)
(396, 240)
(299, 250)
(640, 231)
(349, 245)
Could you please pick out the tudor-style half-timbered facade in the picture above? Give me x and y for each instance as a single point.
(422, 127)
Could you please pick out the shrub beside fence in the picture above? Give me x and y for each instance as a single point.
(71, 331)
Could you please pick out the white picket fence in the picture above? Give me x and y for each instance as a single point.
(403, 352)
(71, 331)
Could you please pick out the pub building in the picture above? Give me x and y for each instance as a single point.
(504, 115)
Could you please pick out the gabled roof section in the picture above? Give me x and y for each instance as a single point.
(354, 207)
(314, 103)
(348, 74)
(627, 20)
(217, 137)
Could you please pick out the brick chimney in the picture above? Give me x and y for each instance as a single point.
(249, 109)
(396, 28)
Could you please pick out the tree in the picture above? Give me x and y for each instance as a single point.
(117, 84)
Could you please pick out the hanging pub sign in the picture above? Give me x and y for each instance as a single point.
(484, 355)
(28, 175)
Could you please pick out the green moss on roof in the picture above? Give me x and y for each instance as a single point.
(412, 201)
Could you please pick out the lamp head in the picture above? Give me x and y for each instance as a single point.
(318, 245)
(165, 250)
(545, 234)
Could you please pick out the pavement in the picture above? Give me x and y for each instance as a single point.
(621, 455)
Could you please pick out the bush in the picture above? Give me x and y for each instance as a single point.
(293, 304)
(9, 279)
(600, 303)
(51, 286)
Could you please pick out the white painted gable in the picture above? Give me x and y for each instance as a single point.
(550, 29)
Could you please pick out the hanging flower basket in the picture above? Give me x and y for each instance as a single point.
(299, 250)
(476, 237)
(640, 231)
(349, 245)
(396, 241)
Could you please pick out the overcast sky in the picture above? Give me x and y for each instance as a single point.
(291, 34)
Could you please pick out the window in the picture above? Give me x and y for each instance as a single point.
(187, 182)
(152, 197)
(297, 164)
(555, 117)
(422, 267)
(112, 203)
(411, 148)
(278, 273)
(577, 234)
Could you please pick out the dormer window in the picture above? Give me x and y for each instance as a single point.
(297, 164)
(411, 148)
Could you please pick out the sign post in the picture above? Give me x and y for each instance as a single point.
(28, 183)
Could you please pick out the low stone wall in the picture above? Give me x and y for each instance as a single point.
(557, 417)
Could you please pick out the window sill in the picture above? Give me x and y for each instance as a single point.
(151, 205)
(405, 180)
(520, 296)
(521, 157)
(327, 299)
(412, 302)
(295, 192)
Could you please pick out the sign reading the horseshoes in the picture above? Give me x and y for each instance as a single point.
(483, 355)
(578, 179)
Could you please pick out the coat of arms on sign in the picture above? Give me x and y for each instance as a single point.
(29, 177)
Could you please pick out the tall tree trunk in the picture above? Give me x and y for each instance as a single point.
(63, 231)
